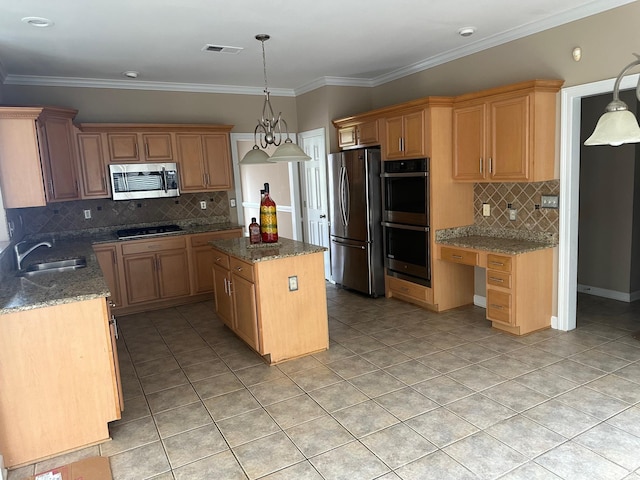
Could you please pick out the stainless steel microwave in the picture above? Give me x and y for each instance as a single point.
(132, 181)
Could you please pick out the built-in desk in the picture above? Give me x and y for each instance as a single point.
(519, 278)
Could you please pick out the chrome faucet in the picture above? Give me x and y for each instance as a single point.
(21, 256)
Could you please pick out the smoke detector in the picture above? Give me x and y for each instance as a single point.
(221, 49)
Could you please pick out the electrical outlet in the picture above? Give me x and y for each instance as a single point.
(293, 283)
(87, 214)
(486, 210)
(203, 205)
(232, 203)
(513, 213)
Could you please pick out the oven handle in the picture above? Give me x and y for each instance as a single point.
(402, 226)
(404, 175)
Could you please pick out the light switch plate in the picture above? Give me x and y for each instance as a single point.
(293, 283)
(549, 201)
(486, 210)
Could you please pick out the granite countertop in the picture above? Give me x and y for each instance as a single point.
(511, 242)
(242, 249)
(54, 288)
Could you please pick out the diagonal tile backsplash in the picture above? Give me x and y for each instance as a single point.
(69, 216)
(525, 197)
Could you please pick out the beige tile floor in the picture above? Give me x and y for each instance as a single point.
(402, 393)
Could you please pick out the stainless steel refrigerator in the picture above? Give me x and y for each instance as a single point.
(357, 260)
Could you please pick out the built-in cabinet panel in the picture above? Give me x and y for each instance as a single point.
(37, 145)
(404, 136)
(506, 134)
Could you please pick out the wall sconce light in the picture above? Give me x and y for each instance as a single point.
(617, 125)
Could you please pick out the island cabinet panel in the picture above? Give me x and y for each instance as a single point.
(202, 258)
(59, 381)
(278, 306)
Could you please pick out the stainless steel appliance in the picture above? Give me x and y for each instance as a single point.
(405, 192)
(143, 180)
(356, 233)
(140, 232)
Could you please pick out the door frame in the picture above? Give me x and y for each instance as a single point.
(294, 184)
(570, 110)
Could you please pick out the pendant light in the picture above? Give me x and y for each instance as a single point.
(617, 125)
(268, 131)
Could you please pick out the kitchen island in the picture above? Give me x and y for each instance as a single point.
(273, 296)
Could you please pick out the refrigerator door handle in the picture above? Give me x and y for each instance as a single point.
(343, 196)
(359, 247)
(347, 199)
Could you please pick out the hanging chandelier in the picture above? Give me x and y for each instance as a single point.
(268, 131)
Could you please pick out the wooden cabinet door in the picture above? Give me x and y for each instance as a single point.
(93, 173)
(469, 162)
(217, 162)
(413, 135)
(367, 133)
(108, 261)
(224, 305)
(191, 160)
(509, 137)
(157, 147)
(173, 273)
(203, 260)
(347, 137)
(113, 331)
(123, 147)
(393, 137)
(141, 278)
(59, 162)
(244, 308)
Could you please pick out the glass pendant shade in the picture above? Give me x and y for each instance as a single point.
(615, 128)
(255, 156)
(289, 152)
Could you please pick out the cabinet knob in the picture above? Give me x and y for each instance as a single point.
(323, 216)
(239, 269)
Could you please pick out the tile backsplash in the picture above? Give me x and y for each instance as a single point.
(525, 197)
(69, 216)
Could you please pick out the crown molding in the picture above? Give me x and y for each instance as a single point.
(336, 82)
(32, 80)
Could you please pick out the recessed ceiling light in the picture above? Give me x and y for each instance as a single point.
(39, 22)
(131, 74)
(466, 31)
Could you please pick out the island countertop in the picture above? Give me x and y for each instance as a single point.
(285, 247)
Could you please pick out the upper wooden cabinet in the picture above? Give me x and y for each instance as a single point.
(38, 158)
(404, 136)
(506, 134)
(204, 161)
(136, 147)
(355, 133)
(93, 166)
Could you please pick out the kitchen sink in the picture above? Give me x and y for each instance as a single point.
(58, 266)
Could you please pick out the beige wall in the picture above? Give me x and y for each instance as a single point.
(117, 105)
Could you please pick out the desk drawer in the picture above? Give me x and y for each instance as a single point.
(243, 269)
(499, 306)
(459, 256)
(499, 262)
(498, 278)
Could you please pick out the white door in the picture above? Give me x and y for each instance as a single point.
(313, 189)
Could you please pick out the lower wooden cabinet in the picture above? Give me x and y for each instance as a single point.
(107, 256)
(255, 300)
(202, 259)
(60, 387)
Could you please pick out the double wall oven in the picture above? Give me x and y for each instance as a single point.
(405, 219)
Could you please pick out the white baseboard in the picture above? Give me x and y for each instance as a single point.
(480, 301)
(612, 294)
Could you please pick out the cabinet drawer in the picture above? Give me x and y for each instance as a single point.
(408, 289)
(498, 306)
(499, 262)
(221, 259)
(141, 246)
(202, 239)
(498, 278)
(459, 256)
(243, 269)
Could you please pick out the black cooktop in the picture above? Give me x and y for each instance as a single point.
(147, 231)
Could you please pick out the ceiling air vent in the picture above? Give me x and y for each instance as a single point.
(221, 49)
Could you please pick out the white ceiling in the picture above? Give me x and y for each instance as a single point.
(313, 43)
